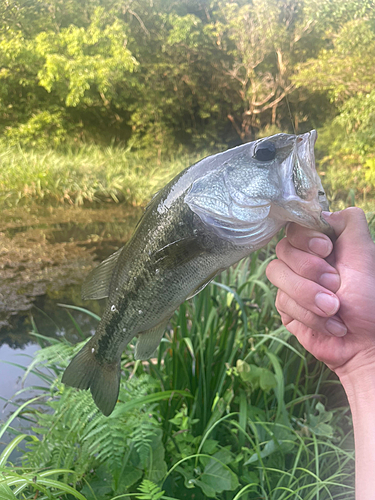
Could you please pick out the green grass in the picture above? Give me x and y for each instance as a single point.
(89, 173)
(83, 174)
(231, 408)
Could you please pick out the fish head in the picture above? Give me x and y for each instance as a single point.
(257, 188)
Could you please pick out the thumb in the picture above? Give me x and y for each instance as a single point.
(351, 228)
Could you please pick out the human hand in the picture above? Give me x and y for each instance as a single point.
(326, 295)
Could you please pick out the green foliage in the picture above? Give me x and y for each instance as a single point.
(82, 65)
(169, 76)
(349, 142)
(45, 129)
(343, 70)
(170, 73)
(16, 482)
(230, 408)
(149, 491)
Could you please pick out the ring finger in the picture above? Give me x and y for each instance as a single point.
(290, 310)
(306, 293)
(308, 266)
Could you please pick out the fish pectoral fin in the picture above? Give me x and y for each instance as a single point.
(103, 379)
(179, 252)
(204, 284)
(96, 285)
(149, 340)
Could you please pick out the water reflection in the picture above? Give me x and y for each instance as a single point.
(51, 318)
(45, 255)
(11, 376)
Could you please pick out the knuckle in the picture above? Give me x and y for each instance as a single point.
(305, 265)
(282, 301)
(353, 215)
(358, 212)
(307, 317)
(286, 320)
(272, 269)
(281, 248)
(299, 289)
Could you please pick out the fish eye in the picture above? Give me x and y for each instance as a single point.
(265, 151)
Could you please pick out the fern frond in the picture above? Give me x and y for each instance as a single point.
(61, 445)
(142, 437)
(149, 491)
(55, 357)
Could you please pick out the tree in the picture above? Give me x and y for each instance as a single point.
(195, 73)
(344, 72)
(265, 40)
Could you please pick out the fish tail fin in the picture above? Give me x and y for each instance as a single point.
(103, 379)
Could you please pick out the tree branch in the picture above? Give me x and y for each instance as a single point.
(140, 21)
(286, 91)
(236, 127)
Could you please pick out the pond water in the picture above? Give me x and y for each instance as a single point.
(45, 254)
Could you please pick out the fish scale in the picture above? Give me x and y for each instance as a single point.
(207, 218)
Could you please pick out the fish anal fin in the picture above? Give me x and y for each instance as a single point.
(203, 284)
(149, 340)
(96, 285)
(103, 379)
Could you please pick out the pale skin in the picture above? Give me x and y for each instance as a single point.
(326, 298)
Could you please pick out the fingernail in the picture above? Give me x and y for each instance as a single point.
(320, 246)
(336, 328)
(327, 303)
(330, 281)
(326, 214)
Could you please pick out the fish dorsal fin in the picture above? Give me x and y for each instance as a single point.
(149, 340)
(96, 285)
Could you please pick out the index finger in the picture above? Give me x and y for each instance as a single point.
(309, 240)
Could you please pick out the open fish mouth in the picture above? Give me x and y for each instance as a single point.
(305, 185)
(300, 176)
(303, 194)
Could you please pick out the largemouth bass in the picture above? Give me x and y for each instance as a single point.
(210, 216)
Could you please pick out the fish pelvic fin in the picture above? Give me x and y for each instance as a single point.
(149, 340)
(103, 379)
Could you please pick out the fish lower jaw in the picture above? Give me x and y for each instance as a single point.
(303, 212)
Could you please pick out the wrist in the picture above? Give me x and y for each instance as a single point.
(358, 375)
(358, 379)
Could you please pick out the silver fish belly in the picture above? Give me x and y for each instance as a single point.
(207, 218)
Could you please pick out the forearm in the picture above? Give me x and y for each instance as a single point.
(360, 389)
